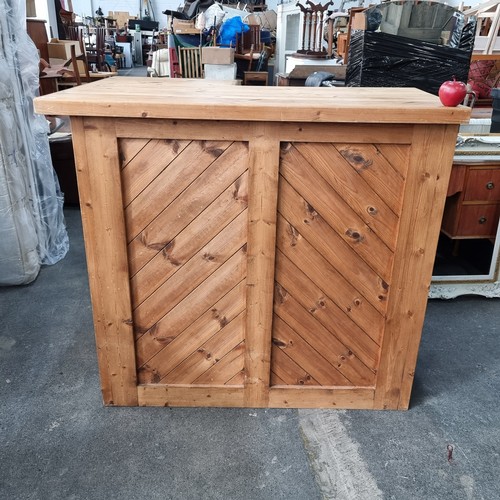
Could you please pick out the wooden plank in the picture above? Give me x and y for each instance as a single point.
(199, 130)
(312, 187)
(189, 335)
(189, 99)
(285, 369)
(147, 165)
(314, 334)
(424, 197)
(96, 149)
(226, 368)
(353, 189)
(376, 171)
(275, 380)
(314, 397)
(189, 395)
(331, 246)
(184, 245)
(183, 170)
(208, 354)
(316, 303)
(239, 378)
(327, 278)
(128, 149)
(263, 171)
(240, 131)
(309, 359)
(396, 154)
(197, 302)
(192, 273)
(179, 212)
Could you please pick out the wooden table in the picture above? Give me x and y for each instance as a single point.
(258, 246)
(54, 76)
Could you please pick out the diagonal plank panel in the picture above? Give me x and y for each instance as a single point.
(352, 188)
(397, 155)
(336, 232)
(209, 353)
(387, 181)
(308, 331)
(286, 371)
(190, 275)
(311, 186)
(320, 306)
(225, 369)
(127, 149)
(202, 298)
(189, 333)
(157, 155)
(239, 378)
(327, 278)
(192, 201)
(183, 170)
(301, 215)
(302, 353)
(190, 240)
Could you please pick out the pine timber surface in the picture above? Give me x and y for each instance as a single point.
(258, 246)
(199, 99)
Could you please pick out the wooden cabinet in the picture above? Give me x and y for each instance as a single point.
(258, 247)
(473, 204)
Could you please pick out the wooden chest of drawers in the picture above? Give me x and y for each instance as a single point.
(473, 204)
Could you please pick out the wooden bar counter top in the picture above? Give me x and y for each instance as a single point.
(258, 246)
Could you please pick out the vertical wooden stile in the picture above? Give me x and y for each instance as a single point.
(424, 197)
(96, 150)
(261, 250)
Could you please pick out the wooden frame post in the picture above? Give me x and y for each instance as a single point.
(261, 251)
(96, 150)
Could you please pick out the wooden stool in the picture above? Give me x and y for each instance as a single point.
(255, 78)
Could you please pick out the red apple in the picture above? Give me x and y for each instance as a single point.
(452, 93)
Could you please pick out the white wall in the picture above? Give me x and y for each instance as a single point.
(133, 7)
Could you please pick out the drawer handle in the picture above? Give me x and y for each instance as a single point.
(490, 185)
(482, 220)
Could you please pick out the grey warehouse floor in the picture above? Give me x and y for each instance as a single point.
(59, 442)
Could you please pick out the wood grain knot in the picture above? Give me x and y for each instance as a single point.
(354, 234)
(174, 144)
(164, 340)
(372, 211)
(279, 343)
(356, 159)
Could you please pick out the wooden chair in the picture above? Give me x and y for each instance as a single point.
(312, 29)
(190, 62)
(71, 71)
(96, 52)
(249, 46)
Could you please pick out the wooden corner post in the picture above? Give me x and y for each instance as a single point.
(95, 146)
(423, 204)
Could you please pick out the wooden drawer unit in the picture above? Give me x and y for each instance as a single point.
(483, 184)
(473, 204)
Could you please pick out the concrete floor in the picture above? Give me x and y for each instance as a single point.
(57, 441)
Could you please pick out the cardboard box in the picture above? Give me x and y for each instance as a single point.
(61, 49)
(183, 26)
(217, 55)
